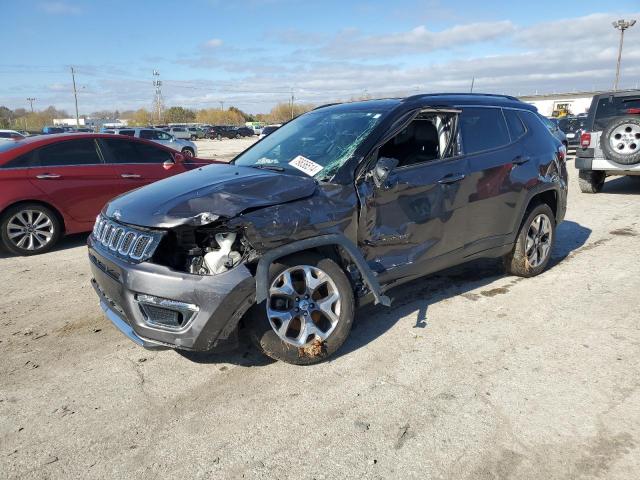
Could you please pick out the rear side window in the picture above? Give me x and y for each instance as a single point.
(129, 133)
(71, 152)
(533, 123)
(148, 134)
(125, 151)
(482, 129)
(514, 124)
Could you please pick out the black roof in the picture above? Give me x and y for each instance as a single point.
(619, 93)
(437, 100)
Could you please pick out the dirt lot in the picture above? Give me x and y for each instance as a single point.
(224, 149)
(471, 374)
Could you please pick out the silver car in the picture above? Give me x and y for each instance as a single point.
(186, 147)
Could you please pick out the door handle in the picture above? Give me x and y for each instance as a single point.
(130, 175)
(520, 160)
(48, 176)
(451, 178)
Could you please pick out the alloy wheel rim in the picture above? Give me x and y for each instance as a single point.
(30, 229)
(303, 305)
(625, 139)
(538, 243)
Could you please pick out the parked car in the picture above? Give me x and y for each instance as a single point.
(186, 147)
(56, 184)
(269, 129)
(244, 131)
(218, 132)
(553, 125)
(10, 135)
(180, 132)
(195, 133)
(52, 130)
(572, 127)
(610, 142)
(327, 213)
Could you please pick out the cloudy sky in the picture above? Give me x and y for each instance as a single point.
(253, 53)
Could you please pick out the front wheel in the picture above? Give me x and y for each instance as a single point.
(308, 313)
(29, 229)
(187, 152)
(534, 243)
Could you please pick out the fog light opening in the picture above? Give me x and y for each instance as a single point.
(165, 313)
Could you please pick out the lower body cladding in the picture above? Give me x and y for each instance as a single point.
(157, 307)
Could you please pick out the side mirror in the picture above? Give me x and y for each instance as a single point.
(383, 169)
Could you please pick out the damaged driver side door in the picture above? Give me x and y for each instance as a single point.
(413, 200)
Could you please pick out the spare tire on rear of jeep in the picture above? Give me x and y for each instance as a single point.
(620, 141)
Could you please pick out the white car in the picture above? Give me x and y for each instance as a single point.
(180, 132)
(185, 147)
(6, 135)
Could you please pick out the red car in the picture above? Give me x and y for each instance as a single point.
(52, 185)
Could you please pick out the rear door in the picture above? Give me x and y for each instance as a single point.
(73, 175)
(138, 163)
(497, 172)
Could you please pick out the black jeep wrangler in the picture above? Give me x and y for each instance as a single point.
(329, 212)
(610, 142)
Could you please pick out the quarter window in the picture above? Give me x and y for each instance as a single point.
(514, 124)
(483, 129)
(70, 152)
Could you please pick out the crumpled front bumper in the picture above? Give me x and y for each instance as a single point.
(221, 300)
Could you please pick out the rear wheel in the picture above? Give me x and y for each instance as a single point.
(308, 313)
(29, 229)
(591, 181)
(532, 250)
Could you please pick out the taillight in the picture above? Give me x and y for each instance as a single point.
(562, 153)
(585, 139)
(633, 110)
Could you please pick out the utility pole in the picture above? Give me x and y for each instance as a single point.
(221, 105)
(157, 83)
(75, 95)
(292, 98)
(473, 80)
(31, 100)
(621, 25)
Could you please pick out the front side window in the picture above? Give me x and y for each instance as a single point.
(129, 133)
(126, 151)
(317, 143)
(70, 152)
(482, 129)
(429, 137)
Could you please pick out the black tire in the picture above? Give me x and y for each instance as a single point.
(265, 338)
(591, 181)
(219, 137)
(517, 262)
(238, 135)
(620, 141)
(7, 222)
(187, 152)
(193, 137)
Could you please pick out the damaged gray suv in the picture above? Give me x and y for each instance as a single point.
(325, 214)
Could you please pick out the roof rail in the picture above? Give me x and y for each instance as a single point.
(423, 95)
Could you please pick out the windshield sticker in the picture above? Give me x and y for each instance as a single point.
(305, 165)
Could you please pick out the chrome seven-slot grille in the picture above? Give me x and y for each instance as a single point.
(125, 241)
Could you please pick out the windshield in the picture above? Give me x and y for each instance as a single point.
(317, 143)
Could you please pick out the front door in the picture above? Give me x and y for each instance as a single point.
(73, 175)
(415, 221)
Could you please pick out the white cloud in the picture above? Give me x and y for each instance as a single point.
(213, 43)
(60, 8)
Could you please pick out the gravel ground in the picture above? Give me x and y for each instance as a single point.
(471, 374)
(224, 149)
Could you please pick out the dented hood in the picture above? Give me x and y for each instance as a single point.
(224, 190)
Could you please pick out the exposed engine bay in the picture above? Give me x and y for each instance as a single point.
(205, 250)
